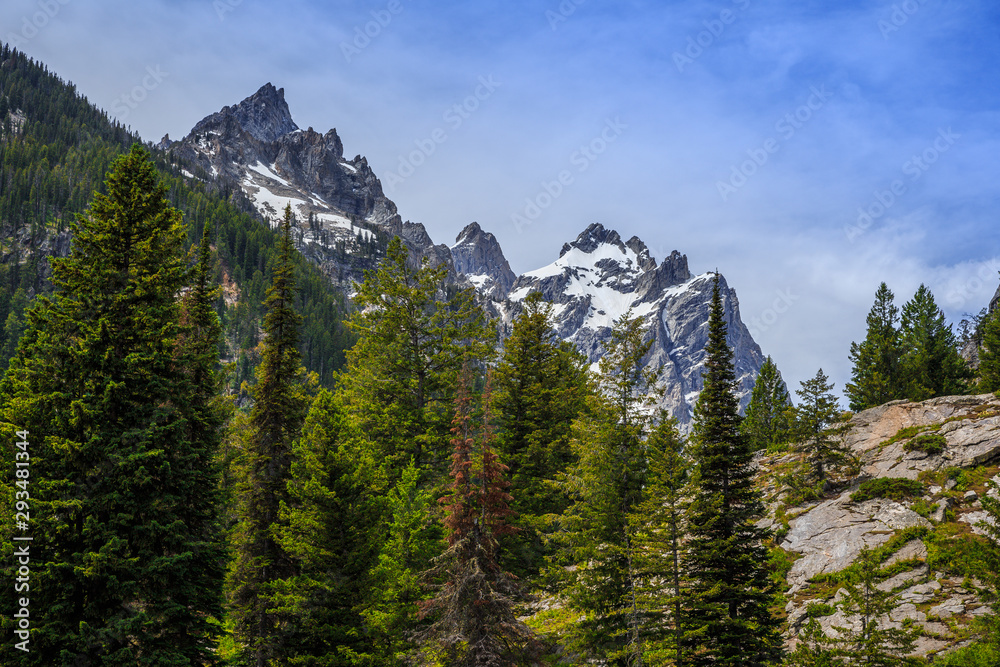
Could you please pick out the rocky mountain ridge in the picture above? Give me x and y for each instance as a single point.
(939, 593)
(344, 221)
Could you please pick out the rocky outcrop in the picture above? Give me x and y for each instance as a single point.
(826, 537)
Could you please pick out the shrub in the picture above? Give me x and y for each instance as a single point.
(893, 488)
(818, 609)
(929, 443)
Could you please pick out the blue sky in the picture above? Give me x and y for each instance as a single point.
(750, 135)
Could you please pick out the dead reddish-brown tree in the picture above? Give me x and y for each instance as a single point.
(475, 623)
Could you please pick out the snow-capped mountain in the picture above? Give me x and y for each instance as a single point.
(598, 278)
(343, 217)
(344, 221)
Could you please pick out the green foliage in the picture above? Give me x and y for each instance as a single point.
(767, 420)
(541, 387)
(725, 560)
(53, 165)
(929, 443)
(876, 374)
(815, 429)
(413, 335)
(931, 365)
(113, 381)
(866, 642)
(893, 488)
(607, 484)
(950, 548)
(281, 401)
(820, 609)
(989, 354)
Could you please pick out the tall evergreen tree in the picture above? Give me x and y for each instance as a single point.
(725, 559)
(541, 386)
(607, 483)
(659, 528)
(326, 528)
(476, 624)
(115, 393)
(766, 423)
(876, 376)
(280, 405)
(815, 418)
(989, 353)
(413, 333)
(931, 365)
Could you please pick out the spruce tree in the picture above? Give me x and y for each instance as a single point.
(876, 373)
(327, 527)
(766, 423)
(607, 483)
(279, 408)
(815, 418)
(730, 589)
(115, 393)
(659, 528)
(541, 386)
(413, 334)
(989, 353)
(931, 365)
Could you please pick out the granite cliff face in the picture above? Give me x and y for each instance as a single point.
(344, 222)
(936, 595)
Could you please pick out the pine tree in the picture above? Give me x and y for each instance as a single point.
(931, 365)
(871, 644)
(115, 392)
(725, 559)
(280, 405)
(393, 585)
(607, 483)
(476, 624)
(659, 528)
(876, 374)
(327, 528)
(815, 419)
(541, 386)
(766, 423)
(989, 353)
(413, 333)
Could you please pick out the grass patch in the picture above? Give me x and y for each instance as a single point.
(929, 443)
(893, 488)
(904, 433)
(954, 549)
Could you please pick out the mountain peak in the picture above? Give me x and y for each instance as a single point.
(264, 115)
(593, 236)
(478, 255)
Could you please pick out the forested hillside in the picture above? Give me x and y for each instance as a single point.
(55, 150)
